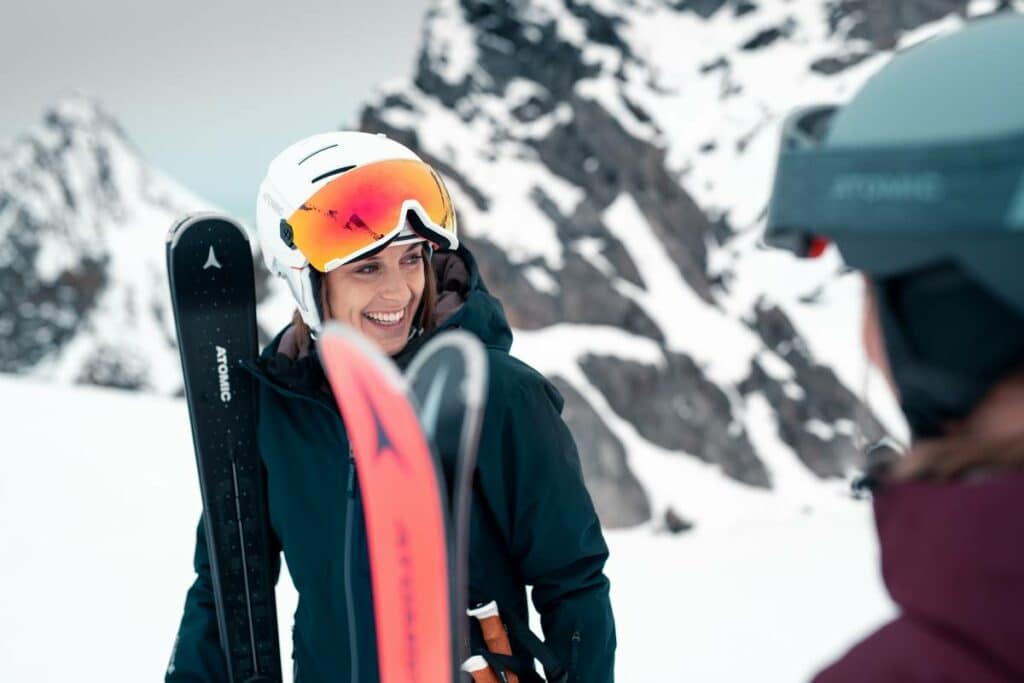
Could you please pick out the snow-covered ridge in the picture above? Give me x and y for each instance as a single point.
(82, 220)
(83, 288)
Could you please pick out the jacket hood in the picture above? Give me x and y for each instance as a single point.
(952, 556)
(463, 301)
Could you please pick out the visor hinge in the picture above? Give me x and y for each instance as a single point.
(287, 235)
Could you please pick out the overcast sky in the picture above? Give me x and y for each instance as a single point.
(209, 90)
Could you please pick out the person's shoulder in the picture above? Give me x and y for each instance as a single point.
(512, 377)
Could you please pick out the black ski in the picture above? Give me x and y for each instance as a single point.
(448, 381)
(210, 267)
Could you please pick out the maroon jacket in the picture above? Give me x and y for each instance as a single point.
(953, 560)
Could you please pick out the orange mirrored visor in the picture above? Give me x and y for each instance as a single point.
(362, 210)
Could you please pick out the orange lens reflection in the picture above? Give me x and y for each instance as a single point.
(358, 210)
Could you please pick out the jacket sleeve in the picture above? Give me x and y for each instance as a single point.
(553, 531)
(197, 656)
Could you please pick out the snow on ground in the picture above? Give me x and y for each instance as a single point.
(99, 501)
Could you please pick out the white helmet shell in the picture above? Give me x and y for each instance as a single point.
(293, 177)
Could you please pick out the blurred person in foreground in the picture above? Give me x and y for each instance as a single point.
(919, 182)
(364, 232)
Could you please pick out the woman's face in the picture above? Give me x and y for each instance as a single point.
(379, 295)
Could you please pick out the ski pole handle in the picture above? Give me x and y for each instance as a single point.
(477, 667)
(495, 636)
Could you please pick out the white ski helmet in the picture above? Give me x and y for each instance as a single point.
(336, 197)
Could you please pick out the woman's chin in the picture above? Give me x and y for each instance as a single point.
(389, 338)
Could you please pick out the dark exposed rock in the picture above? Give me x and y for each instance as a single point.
(38, 317)
(779, 335)
(397, 101)
(533, 108)
(110, 367)
(586, 223)
(636, 110)
(617, 495)
(676, 523)
(721, 228)
(880, 22)
(600, 28)
(742, 7)
(595, 139)
(845, 422)
(829, 66)
(585, 294)
(722, 63)
(767, 36)
(678, 408)
(511, 46)
(703, 8)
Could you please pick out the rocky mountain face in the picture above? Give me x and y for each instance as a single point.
(83, 287)
(83, 294)
(611, 163)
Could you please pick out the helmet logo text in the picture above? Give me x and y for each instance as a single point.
(926, 188)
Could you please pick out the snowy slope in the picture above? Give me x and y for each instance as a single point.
(98, 514)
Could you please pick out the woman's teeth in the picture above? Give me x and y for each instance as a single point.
(386, 318)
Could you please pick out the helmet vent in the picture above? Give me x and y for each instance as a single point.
(310, 156)
(336, 171)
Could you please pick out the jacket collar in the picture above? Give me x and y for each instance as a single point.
(952, 554)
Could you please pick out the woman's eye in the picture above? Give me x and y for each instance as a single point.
(368, 268)
(414, 259)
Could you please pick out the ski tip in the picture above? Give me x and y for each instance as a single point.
(183, 223)
(469, 347)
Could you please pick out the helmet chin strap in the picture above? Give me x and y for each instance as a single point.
(316, 280)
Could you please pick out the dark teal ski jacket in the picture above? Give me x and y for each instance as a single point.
(533, 523)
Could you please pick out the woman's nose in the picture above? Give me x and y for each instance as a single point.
(393, 286)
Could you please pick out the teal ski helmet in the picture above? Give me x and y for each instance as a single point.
(919, 181)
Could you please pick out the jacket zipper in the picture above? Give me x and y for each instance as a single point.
(573, 657)
(350, 505)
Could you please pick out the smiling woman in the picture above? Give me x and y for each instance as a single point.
(364, 233)
(381, 295)
(389, 297)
